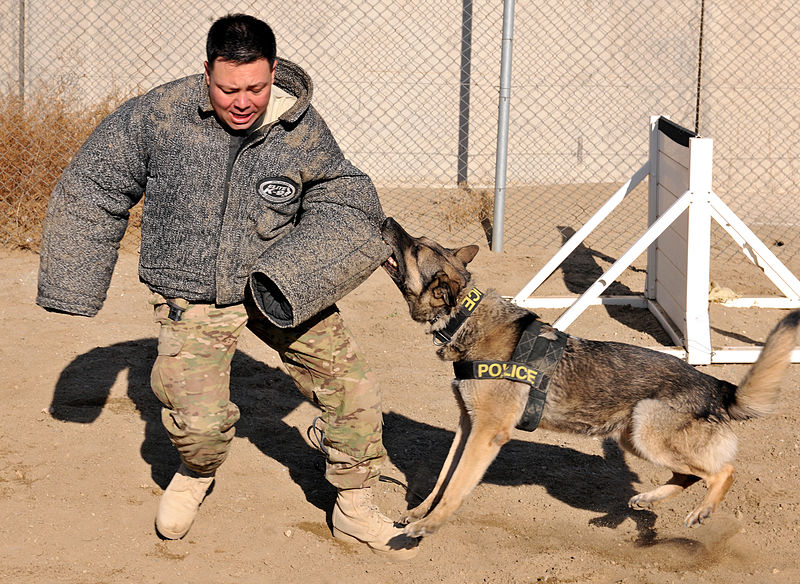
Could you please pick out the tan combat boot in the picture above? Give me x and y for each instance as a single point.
(356, 519)
(179, 503)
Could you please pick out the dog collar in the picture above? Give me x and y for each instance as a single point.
(468, 305)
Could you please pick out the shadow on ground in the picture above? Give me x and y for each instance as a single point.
(265, 395)
(581, 269)
(601, 484)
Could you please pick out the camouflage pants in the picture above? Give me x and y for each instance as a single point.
(191, 378)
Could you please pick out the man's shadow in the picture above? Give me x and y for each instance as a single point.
(264, 394)
(581, 270)
(601, 484)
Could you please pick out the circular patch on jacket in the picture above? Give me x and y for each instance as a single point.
(276, 190)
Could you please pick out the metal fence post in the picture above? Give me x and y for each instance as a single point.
(699, 66)
(21, 49)
(463, 101)
(502, 127)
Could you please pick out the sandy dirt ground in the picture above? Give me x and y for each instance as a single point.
(84, 459)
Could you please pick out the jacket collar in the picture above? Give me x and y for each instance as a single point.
(291, 95)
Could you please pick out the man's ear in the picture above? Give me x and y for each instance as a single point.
(467, 253)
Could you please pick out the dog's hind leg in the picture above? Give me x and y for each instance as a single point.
(718, 485)
(675, 485)
(672, 487)
(456, 449)
(691, 448)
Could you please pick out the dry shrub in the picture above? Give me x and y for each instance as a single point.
(465, 206)
(38, 136)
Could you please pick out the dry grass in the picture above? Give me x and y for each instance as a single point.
(466, 206)
(38, 137)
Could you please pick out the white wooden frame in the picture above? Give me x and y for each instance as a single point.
(681, 204)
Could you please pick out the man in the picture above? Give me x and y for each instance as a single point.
(252, 217)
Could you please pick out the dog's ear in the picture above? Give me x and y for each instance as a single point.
(445, 288)
(467, 253)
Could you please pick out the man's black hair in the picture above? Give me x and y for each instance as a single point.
(240, 38)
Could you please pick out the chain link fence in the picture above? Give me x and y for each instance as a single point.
(410, 90)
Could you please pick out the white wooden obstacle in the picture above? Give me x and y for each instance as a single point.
(681, 204)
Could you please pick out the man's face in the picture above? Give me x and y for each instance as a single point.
(239, 92)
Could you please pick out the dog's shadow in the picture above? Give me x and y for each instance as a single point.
(264, 394)
(602, 484)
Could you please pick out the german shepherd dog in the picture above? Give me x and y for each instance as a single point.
(655, 405)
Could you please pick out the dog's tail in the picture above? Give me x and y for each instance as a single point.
(757, 394)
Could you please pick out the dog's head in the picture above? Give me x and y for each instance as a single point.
(429, 275)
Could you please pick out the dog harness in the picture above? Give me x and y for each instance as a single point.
(534, 360)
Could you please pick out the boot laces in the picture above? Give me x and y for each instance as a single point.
(316, 436)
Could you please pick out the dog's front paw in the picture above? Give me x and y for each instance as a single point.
(640, 501)
(414, 514)
(421, 528)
